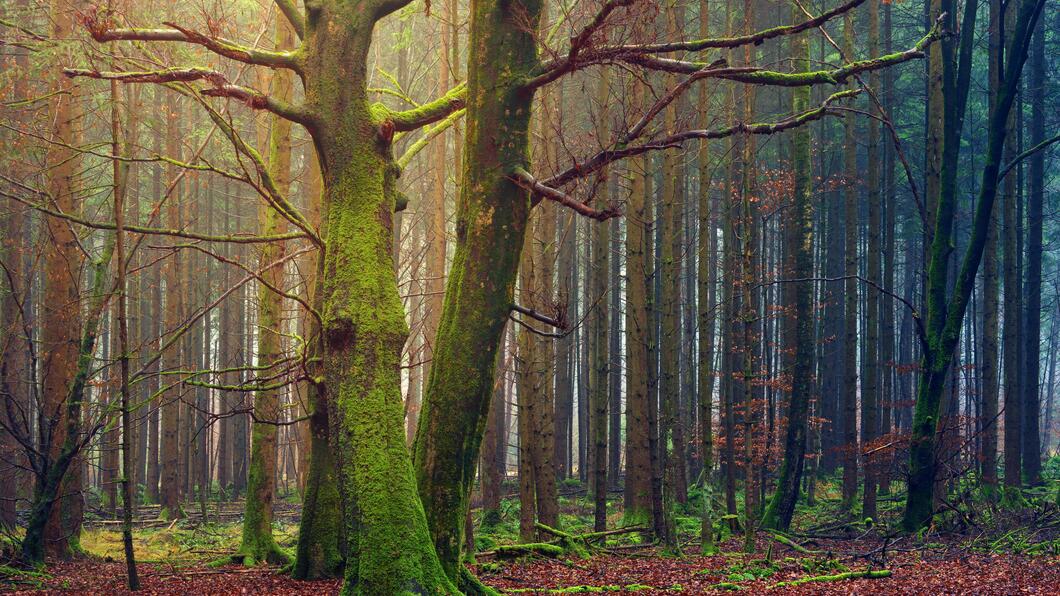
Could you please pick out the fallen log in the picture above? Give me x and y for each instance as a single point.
(866, 574)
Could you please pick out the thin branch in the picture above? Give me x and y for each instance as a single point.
(1022, 156)
(220, 87)
(557, 68)
(98, 225)
(429, 134)
(293, 15)
(523, 178)
(609, 156)
(533, 314)
(102, 29)
(577, 57)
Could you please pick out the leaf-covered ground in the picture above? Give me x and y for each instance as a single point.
(977, 547)
(927, 569)
(935, 570)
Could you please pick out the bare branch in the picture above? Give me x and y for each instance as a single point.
(235, 238)
(578, 56)
(220, 87)
(102, 29)
(560, 324)
(782, 79)
(524, 179)
(609, 156)
(756, 38)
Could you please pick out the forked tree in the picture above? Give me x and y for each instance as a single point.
(361, 318)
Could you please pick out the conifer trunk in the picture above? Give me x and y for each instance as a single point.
(799, 252)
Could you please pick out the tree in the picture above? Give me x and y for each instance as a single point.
(61, 316)
(258, 544)
(1032, 289)
(945, 311)
(498, 191)
(799, 250)
(389, 549)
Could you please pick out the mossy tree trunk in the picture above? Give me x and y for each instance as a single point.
(944, 318)
(362, 321)
(258, 543)
(54, 473)
(492, 217)
(321, 544)
(389, 549)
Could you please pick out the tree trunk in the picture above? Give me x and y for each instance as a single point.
(991, 334)
(60, 304)
(850, 255)
(705, 278)
(173, 317)
(491, 223)
(638, 336)
(799, 252)
(258, 543)
(944, 317)
(1032, 292)
(599, 359)
(870, 380)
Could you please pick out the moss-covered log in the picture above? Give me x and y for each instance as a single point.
(544, 549)
(866, 574)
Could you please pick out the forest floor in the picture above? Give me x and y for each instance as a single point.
(974, 550)
(941, 569)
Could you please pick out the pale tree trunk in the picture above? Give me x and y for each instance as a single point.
(850, 271)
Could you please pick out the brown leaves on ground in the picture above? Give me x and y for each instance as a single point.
(94, 576)
(939, 569)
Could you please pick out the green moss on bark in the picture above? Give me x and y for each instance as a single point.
(491, 224)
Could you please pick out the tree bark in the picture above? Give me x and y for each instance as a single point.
(61, 300)
(799, 256)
